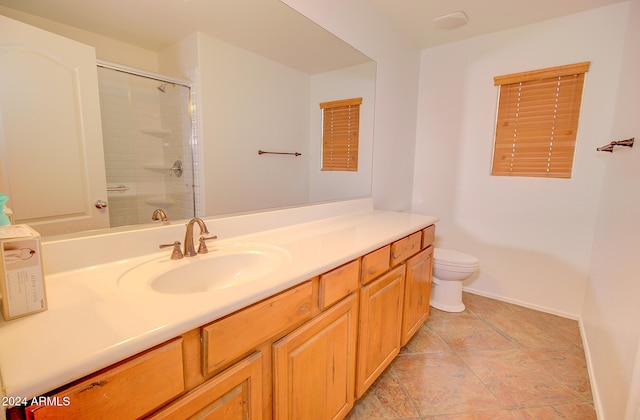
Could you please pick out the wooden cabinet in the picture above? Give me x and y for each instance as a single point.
(417, 293)
(234, 394)
(395, 304)
(314, 366)
(380, 323)
(305, 353)
(128, 390)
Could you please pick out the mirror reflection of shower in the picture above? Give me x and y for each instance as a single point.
(146, 128)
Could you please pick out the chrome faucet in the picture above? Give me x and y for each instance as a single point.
(189, 248)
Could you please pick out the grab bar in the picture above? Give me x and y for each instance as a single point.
(121, 188)
(262, 152)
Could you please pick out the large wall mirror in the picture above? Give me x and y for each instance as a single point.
(257, 72)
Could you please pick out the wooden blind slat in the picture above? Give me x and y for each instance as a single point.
(537, 121)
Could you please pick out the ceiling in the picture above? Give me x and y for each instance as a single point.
(413, 17)
(154, 24)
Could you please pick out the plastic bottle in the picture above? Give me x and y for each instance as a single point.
(4, 219)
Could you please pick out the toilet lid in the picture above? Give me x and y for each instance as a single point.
(451, 257)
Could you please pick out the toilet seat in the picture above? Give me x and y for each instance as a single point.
(450, 259)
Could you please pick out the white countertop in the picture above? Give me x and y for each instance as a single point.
(91, 323)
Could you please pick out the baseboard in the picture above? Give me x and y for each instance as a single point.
(594, 386)
(523, 303)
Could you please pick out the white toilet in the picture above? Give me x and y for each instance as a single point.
(450, 268)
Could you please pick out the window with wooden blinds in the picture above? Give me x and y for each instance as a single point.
(340, 130)
(537, 121)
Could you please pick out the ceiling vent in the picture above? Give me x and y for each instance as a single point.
(451, 21)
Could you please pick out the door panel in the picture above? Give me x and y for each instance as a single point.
(50, 130)
(380, 326)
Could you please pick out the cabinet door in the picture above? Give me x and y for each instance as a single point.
(417, 293)
(314, 366)
(380, 324)
(234, 394)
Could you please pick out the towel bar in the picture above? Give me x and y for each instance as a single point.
(609, 147)
(262, 152)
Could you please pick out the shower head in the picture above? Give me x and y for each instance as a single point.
(163, 87)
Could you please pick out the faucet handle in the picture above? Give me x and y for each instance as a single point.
(176, 254)
(202, 248)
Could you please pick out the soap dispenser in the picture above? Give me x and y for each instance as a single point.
(4, 219)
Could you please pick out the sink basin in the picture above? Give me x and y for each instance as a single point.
(223, 267)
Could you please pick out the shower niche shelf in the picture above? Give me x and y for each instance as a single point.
(160, 201)
(160, 133)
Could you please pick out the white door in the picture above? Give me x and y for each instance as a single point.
(51, 156)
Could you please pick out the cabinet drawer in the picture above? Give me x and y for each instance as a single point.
(230, 338)
(128, 390)
(375, 263)
(405, 247)
(338, 283)
(428, 236)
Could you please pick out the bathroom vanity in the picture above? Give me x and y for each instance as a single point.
(304, 340)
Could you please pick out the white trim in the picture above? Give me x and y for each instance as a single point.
(597, 404)
(522, 303)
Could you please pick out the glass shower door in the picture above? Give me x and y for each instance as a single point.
(146, 125)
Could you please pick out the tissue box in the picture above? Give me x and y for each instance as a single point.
(21, 275)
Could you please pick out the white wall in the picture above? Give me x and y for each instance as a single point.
(351, 82)
(533, 236)
(241, 101)
(611, 308)
(244, 99)
(397, 61)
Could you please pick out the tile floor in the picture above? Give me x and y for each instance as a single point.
(493, 361)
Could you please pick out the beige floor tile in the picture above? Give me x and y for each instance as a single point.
(486, 415)
(563, 412)
(440, 383)
(568, 366)
(517, 380)
(425, 341)
(466, 332)
(386, 399)
(492, 361)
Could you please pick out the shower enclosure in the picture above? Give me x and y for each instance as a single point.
(148, 146)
